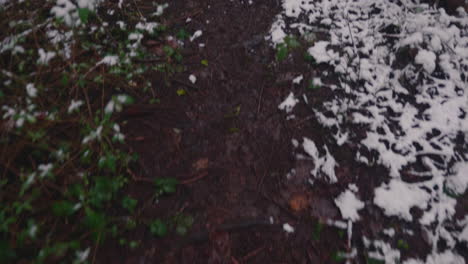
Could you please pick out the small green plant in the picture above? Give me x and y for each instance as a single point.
(65, 163)
(370, 260)
(183, 223)
(84, 14)
(283, 49)
(317, 231)
(158, 228)
(129, 203)
(338, 256)
(309, 58)
(165, 186)
(402, 244)
(182, 34)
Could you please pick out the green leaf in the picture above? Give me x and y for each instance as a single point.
(401, 244)
(338, 257)
(65, 79)
(129, 203)
(94, 220)
(281, 52)
(233, 130)
(178, 57)
(182, 34)
(309, 58)
(168, 50)
(158, 228)
(133, 244)
(370, 260)
(108, 162)
(6, 253)
(181, 92)
(102, 191)
(83, 13)
(165, 185)
(204, 63)
(317, 231)
(63, 208)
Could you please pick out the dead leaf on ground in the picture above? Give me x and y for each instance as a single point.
(201, 164)
(298, 202)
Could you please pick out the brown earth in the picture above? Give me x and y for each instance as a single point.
(230, 147)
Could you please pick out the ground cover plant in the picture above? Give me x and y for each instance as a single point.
(67, 72)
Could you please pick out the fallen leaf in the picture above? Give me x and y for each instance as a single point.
(201, 164)
(298, 202)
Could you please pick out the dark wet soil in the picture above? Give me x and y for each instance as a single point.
(230, 148)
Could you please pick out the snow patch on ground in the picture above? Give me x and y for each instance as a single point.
(323, 164)
(288, 103)
(349, 205)
(397, 198)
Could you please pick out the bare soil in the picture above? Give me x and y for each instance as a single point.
(230, 147)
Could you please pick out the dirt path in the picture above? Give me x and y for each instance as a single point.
(232, 152)
(230, 147)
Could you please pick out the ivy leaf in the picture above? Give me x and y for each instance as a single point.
(158, 228)
(83, 13)
(168, 50)
(182, 34)
(129, 203)
(282, 52)
(94, 220)
(165, 185)
(63, 208)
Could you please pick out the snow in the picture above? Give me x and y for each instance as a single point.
(147, 26)
(320, 53)
(413, 111)
(322, 164)
(196, 35)
(74, 105)
(446, 257)
(192, 78)
(160, 9)
(389, 232)
(288, 103)
(349, 205)
(45, 169)
(458, 181)
(31, 90)
(288, 228)
(463, 236)
(277, 34)
(298, 79)
(68, 10)
(397, 198)
(110, 60)
(427, 59)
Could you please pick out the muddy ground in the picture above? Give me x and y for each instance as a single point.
(230, 147)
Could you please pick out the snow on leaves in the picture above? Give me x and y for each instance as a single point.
(403, 69)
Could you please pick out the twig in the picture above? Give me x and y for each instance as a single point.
(260, 99)
(196, 178)
(253, 253)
